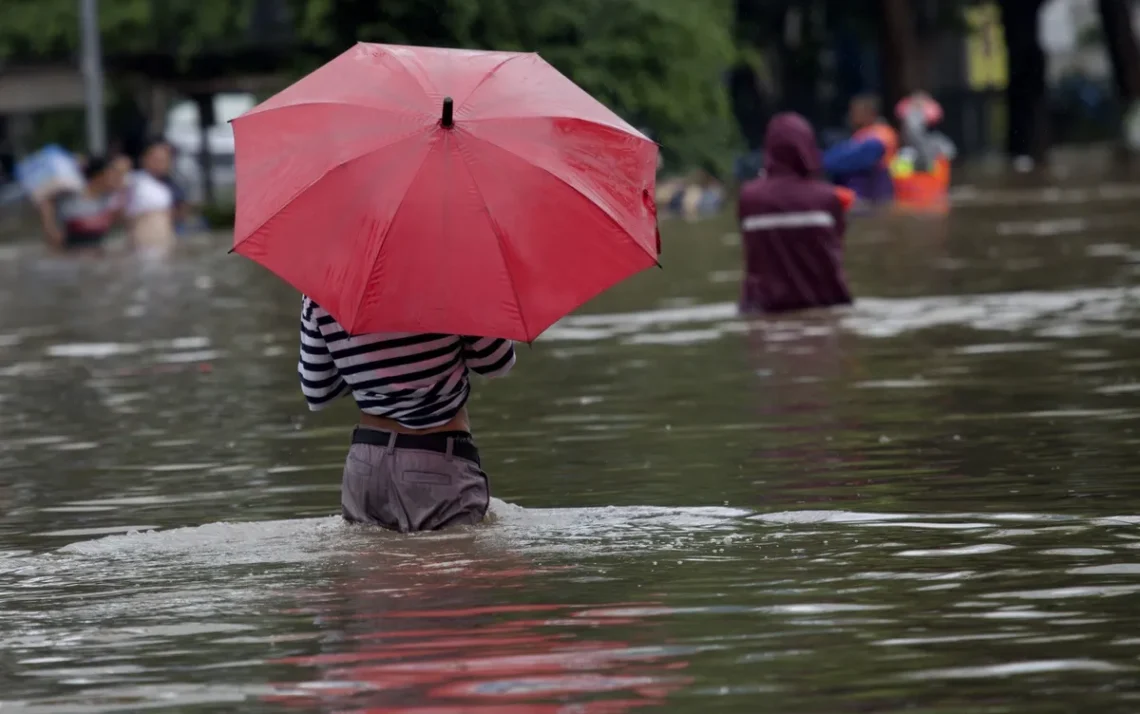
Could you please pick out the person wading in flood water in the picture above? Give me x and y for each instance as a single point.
(792, 224)
(862, 163)
(413, 464)
(79, 220)
(150, 208)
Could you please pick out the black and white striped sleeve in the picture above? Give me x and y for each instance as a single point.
(489, 356)
(321, 381)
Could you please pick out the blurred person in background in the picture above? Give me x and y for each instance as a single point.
(792, 224)
(151, 202)
(76, 219)
(925, 147)
(921, 169)
(47, 172)
(186, 218)
(704, 195)
(862, 163)
(697, 195)
(747, 166)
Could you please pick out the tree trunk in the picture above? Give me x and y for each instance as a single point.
(899, 42)
(156, 100)
(1025, 93)
(752, 95)
(799, 59)
(1120, 41)
(206, 120)
(750, 105)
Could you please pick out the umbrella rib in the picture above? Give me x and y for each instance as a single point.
(314, 182)
(630, 130)
(569, 185)
(502, 245)
(384, 238)
(408, 71)
(327, 103)
(490, 74)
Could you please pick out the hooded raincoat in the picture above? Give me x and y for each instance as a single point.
(792, 223)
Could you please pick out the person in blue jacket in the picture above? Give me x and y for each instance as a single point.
(862, 163)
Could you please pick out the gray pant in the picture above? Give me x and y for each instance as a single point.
(413, 483)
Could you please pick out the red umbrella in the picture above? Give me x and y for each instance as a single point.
(414, 189)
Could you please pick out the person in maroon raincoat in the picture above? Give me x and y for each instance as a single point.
(792, 223)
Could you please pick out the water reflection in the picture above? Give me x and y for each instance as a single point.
(462, 625)
(801, 366)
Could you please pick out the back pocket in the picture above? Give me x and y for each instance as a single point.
(426, 477)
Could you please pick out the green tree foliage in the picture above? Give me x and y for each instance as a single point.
(658, 63)
(49, 29)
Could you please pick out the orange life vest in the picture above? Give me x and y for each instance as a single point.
(886, 136)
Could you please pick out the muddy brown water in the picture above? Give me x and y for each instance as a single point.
(928, 502)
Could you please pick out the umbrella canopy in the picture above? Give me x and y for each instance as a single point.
(412, 189)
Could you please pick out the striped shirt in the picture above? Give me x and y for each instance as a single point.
(420, 381)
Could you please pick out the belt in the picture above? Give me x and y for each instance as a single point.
(449, 443)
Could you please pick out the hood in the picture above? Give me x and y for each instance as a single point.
(790, 148)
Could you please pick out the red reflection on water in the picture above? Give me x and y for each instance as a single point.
(442, 630)
(611, 706)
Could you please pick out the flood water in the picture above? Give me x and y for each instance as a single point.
(928, 502)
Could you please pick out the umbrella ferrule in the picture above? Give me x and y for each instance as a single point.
(448, 119)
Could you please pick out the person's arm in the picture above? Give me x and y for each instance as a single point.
(851, 157)
(846, 198)
(945, 145)
(321, 381)
(45, 206)
(119, 204)
(489, 356)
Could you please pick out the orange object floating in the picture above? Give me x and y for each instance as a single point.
(924, 192)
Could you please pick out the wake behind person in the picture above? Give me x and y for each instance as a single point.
(413, 464)
(792, 225)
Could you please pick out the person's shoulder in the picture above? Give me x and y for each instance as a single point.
(754, 189)
(755, 183)
(310, 309)
(313, 311)
(149, 182)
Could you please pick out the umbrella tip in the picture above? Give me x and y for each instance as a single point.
(448, 113)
